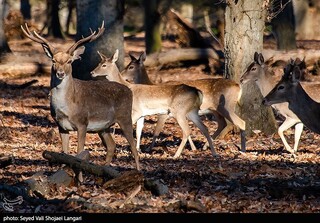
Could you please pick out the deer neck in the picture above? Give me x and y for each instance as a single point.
(266, 82)
(116, 76)
(306, 109)
(143, 77)
(62, 93)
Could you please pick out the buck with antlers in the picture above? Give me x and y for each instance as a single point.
(85, 106)
(220, 97)
(179, 101)
(289, 89)
(259, 72)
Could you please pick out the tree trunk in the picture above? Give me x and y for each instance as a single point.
(4, 47)
(152, 21)
(109, 11)
(53, 21)
(244, 26)
(283, 26)
(25, 9)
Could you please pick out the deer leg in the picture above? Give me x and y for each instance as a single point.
(297, 135)
(236, 120)
(127, 129)
(109, 144)
(81, 134)
(283, 127)
(64, 135)
(222, 124)
(159, 126)
(183, 122)
(195, 118)
(139, 128)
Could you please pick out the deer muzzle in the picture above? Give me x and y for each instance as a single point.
(60, 74)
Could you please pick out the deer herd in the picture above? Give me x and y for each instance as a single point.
(127, 97)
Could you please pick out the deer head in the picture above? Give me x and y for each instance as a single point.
(61, 61)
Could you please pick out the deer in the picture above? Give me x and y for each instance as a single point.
(265, 79)
(290, 90)
(85, 105)
(179, 101)
(220, 98)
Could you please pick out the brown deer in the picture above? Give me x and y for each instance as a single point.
(179, 101)
(220, 98)
(85, 106)
(289, 89)
(265, 79)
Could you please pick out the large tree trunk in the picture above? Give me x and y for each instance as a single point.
(4, 47)
(244, 26)
(90, 14)
(283, 26)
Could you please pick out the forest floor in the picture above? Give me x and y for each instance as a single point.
(264, 179)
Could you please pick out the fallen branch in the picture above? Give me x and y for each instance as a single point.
(6, 160)
(118, 182)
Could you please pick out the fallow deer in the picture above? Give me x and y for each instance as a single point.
(289, 89)
(179, 101)
(265, 79)
(220, 98)
(85, 106)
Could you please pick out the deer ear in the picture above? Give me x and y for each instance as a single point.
(255, 57)
(142, 56)
(132, 57)
(77, 52)
(296, 73)
(115, 56)
(47, 51)
(260, 59)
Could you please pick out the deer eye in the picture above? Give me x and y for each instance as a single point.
(253, 68)
(131, 67)
(104, 65)
(281, 87)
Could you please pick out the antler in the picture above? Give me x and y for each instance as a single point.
(35, 37)
(87, 39)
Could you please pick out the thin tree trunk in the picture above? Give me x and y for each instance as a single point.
(152, 21)
(244, 28)
(53, 21)
(25, 9)
(4, 47)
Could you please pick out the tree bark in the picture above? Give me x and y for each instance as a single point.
(90, 14)
(244, 26)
